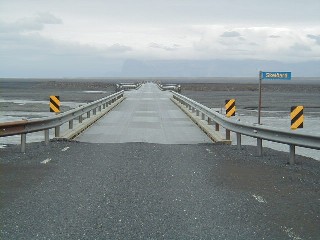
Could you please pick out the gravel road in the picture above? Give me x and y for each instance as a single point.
(154, 191)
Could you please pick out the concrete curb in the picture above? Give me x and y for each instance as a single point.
(203, 125)
(71, 134)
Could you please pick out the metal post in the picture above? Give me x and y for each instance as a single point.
(94, 111)
(80, 119)
(209, 121)
(100, 108)
(23, 142)
(71, 124)
(88, 114)
(292, 153)
(227, 134)
(57, 131)
(239, 141)
(217, 127)
(202, 116)
(46, 136)
(259, 145)
(260, 100)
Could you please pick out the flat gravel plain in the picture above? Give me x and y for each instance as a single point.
(154, 191)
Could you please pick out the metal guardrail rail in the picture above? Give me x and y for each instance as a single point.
(128, 86)
(29, 126)
(169, 87)
(259, 132)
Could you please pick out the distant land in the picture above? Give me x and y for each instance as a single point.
(114, 80)
(156, 68)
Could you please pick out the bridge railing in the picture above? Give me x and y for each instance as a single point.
(257, 131)
(45, 124)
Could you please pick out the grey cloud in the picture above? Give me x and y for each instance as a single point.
(300, 47)
(164, 47)
(118, 48)
(230, 34)
(26, 24)
(274, 36)
(47, 18)
(314, 37)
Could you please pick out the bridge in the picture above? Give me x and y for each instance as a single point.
(147, 115)
(152, 164)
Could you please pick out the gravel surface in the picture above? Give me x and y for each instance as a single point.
(153, 191)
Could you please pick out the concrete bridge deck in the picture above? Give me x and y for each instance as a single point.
(147, 115)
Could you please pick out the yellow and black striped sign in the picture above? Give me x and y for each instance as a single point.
(230, 107)
(54, 104)
(296, 117)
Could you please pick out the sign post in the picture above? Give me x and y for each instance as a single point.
(259, 106)
(269, 76)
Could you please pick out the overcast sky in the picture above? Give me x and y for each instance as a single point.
(95, 38)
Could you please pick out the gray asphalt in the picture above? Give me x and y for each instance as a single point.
(146, 115)
(156, 191)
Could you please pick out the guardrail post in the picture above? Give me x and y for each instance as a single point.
(193, 109)
(88, 114)
(239, 141)
(94, 111)
(209, 121)
(202, 116)
(259, 145)
(292, 153)
(100, 108)
(217, 127)
(197, 112)
(57, 131)
(23, 142)
(80, 119)
(46, 136)
(227, 134)
(71, 124)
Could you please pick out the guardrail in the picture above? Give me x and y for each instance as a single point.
(29, 126)
(127, 86)
(169, 87)
(259, 132)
